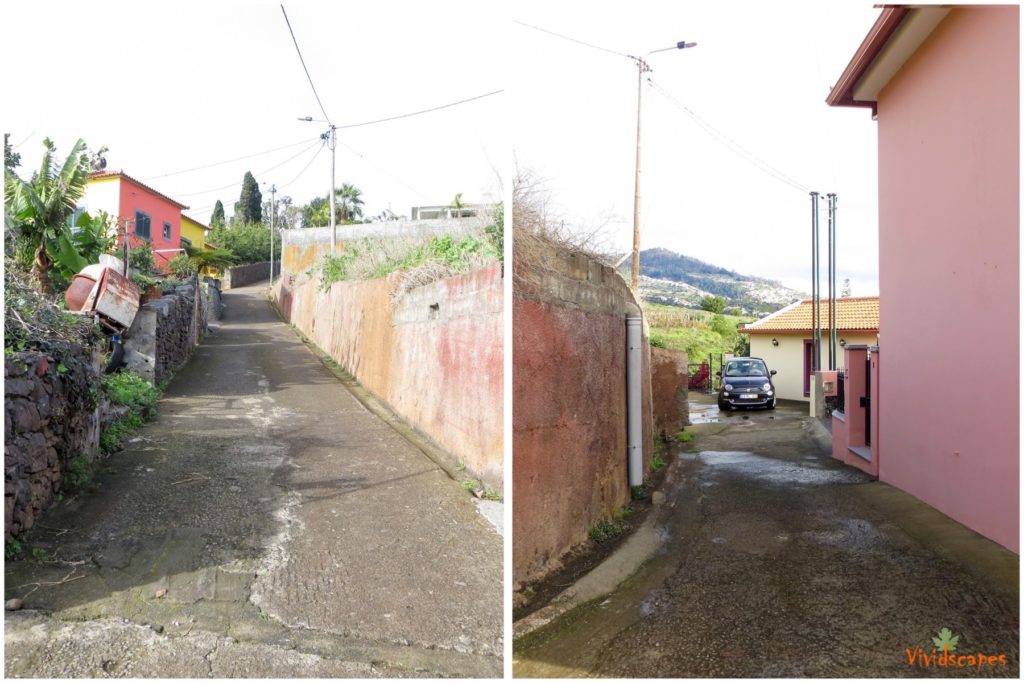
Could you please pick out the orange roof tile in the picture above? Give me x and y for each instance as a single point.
(858, 313)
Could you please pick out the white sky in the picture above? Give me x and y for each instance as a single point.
(174, 86)
(760, 74)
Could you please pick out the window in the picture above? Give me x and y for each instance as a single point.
(142, 222)
(185, 243)
(167, 231)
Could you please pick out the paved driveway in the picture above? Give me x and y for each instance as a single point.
(777, 560)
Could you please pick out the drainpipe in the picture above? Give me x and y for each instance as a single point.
(634, 393)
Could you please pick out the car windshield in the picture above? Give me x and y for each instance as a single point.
(746, 368)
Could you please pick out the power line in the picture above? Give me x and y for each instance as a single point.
(385, 171)
(217, 189)
(306, 167)
(315, 94)
(732, 145)
(228, 161)
(423, 111)
(573, 40)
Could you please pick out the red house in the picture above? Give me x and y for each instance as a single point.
(143, 214)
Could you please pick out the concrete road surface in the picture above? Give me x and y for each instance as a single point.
(771, 559)
(265, 524)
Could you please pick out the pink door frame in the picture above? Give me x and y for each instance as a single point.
(808, 363)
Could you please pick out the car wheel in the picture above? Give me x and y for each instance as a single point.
(771, 406)
(723, 406)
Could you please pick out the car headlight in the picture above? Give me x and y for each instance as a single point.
(766, 386)
(728, 387)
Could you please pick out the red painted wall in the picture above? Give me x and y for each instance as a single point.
(434, 354)
(134, 197)
(569, 468)
(949, 240)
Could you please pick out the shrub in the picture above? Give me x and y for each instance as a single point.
(128, 389)
(182, 267)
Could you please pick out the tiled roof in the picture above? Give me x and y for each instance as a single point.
(852, 313)
(99, 175)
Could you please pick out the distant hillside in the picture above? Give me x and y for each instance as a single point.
(679, 280)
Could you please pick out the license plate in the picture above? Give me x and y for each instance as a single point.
(748, 395)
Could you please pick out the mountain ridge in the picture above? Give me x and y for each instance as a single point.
(674, 279)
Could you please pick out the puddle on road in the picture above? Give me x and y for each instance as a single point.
(775, 471)
(850, 534)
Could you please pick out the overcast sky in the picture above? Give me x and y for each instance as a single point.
(759, 75)
(172, 86)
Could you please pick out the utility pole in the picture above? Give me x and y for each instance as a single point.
(634, 280)
(642, 68)
(273, 216)
(332, 142)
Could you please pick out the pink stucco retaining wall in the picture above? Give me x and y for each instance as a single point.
(569, 439)
(434, 354)
(949, 238)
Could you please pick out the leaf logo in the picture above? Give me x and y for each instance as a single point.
(946, 640)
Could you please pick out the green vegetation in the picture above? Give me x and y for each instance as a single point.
(217, 219)
(698, 333)
(246, 242)
(684, 437)
(13, 549)
(78, 474)
(40, 555)
(715, 304)
(479, 489)
(38, 213)
(607, 529)
(638, 492)
(440, 256)
(127, 389)
(249, 207)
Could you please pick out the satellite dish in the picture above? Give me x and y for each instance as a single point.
(99, 164)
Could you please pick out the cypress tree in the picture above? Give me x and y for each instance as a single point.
(217, 219)
(249, 208)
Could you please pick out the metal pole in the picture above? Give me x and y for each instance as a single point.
(831, 291)
(273, 214)
(833, 310)
(334, 224)
(634, 280)
(835, 268)
(815, 295)
(634, 398)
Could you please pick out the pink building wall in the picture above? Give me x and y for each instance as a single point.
(949, 206)
(132, 198)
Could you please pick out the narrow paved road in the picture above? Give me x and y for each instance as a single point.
(265, 524)
(778, 561)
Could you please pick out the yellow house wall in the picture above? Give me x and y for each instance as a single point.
(788, 358)
(193, 232)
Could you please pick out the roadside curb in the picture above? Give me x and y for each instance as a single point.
(624, 562)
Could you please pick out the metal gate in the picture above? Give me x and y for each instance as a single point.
(866, 401)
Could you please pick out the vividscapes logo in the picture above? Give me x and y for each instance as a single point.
(945, 656)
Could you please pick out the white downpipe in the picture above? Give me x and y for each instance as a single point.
(634, 394)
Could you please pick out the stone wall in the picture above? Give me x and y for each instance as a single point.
(165, 332)
(50, 418)
(569, 438)
(670, 382)
(240, 276)
(433, 354)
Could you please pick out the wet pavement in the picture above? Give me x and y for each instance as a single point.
(265, 524)
(777, 561)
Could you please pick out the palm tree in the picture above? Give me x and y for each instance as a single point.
(210, 259)
(41, 207)
(458, 205)
(349, 203)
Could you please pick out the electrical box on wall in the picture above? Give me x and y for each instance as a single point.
(829, 382)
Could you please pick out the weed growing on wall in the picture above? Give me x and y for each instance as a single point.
(138, 395)
(421, 261)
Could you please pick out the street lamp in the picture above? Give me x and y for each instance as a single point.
(642, 67)
(331, 138)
